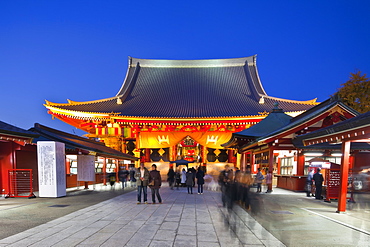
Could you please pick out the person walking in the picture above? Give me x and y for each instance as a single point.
(259, 179)
(112, 179)
(200, 180)
(132, 177)
(171, 177)
(189, 181)
(246, 182)
(309, 182)
(155, 182)
(123, 174)
(142, 177)
(319, 179)
(225, 180)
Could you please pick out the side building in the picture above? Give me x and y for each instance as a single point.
(276, 144)
(19, 158)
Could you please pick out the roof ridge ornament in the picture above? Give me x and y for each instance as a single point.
(276, 108)
(262, 100)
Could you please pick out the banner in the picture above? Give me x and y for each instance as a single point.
(169, 139)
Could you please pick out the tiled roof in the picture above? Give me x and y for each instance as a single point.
(77, 142)
(310, 114)
(360, 121)
(189, 89)
(12, 130)
(302, 119)
(275, 120)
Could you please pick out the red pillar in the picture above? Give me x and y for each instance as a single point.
(253, 170)
(68, 166)
(271, 167)
(104, 171)
(344, 177)
(147, 155)
(243, 162)
(117, 169)
(300, 163)
(231, 156)
(204, 154)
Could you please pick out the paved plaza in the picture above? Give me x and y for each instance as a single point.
(182, 220)
(282, 218)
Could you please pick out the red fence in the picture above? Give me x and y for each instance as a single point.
(20, 183)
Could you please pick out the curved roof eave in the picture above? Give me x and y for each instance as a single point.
(148, 92)
(301, 120)
(113, 115)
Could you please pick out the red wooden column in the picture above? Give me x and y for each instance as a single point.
(147, 155)
(271, 166)
(300, 163)
(68, 166)
(344, 177)
(243, 162)
(204, 154)
(104, 171)
(231, 156)
(252, 162)
(116, 170)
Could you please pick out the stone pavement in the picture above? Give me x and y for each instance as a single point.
(182, 220)
(281, 218)
(297, 220)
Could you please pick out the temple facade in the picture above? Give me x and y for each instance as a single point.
(167, 110)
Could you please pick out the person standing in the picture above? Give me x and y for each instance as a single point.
(200, 180)
(269, 181)
(178, 179)
(183, 177)
(142, 177)
(112, 179)
(236, 185)
(225, 180)
(155, 182)
(309, 182)
(259, 178)
(189, 181)
(171, 177)
(193, 172)
(319, 179)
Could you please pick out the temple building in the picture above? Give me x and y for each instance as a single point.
(167, 110)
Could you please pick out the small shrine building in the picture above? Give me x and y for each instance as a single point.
(282, 145)
(167, 110)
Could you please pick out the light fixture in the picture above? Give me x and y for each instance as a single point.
(313, 154)
(336, 154)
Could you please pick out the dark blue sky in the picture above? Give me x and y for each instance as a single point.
(78, 50)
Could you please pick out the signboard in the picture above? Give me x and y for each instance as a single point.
(332, 183)
(85, 168)
(51, 169)
(324, 165)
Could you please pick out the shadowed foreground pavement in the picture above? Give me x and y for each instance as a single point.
(104, 217)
